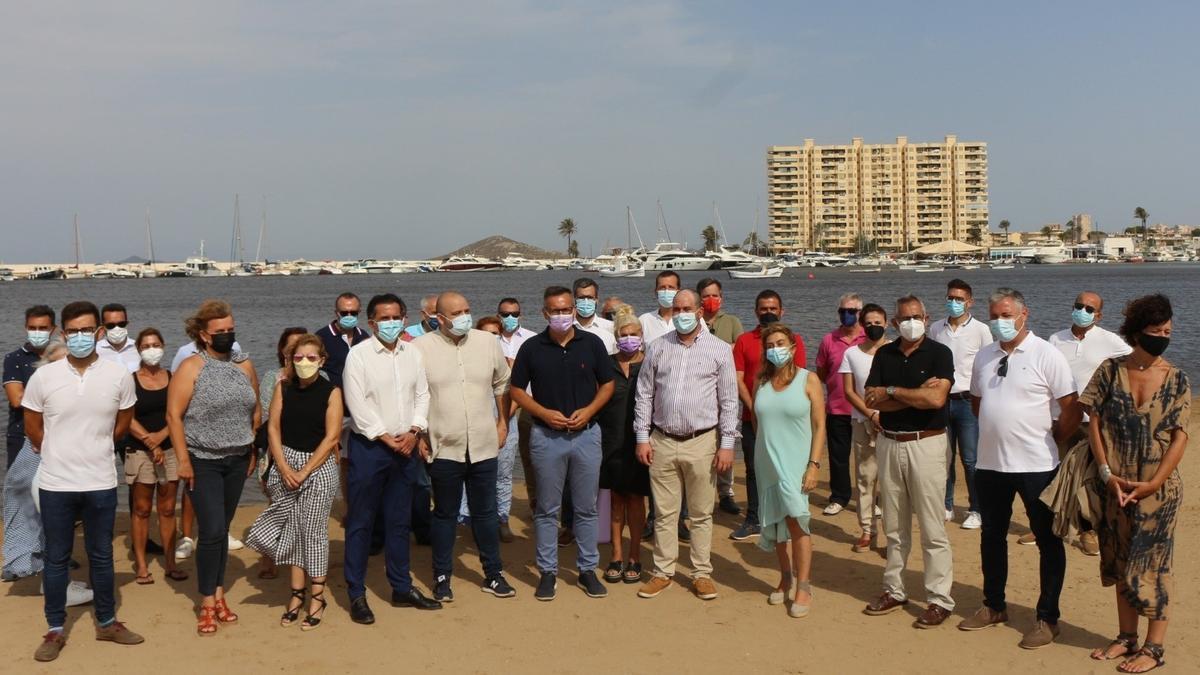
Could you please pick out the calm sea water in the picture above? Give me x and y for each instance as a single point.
(263, 306)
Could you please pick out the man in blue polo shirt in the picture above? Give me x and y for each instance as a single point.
(18, 368)
(341, 334)
(570, 376)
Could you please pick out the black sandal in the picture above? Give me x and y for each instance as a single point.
(289, 616)
(633, 573)
(1150, 649)
(614, 571)
(311, 620)
(1127, 640)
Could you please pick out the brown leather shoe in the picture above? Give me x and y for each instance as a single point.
(52, 643)
(932, 617)
(1027, 539)
(118, 633)
(1089, 543)
(884, 604)
(704, 588)
(984, 617)
(1042, 634)
(654, 586)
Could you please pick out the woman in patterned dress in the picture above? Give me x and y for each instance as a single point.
(1139, 408)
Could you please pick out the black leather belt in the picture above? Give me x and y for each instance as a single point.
(961, 396)
(683, 437)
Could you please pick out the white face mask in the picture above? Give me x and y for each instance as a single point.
(152, 356)
(116, 336)
(912, 330)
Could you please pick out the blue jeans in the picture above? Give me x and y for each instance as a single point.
(749, 437)
(450, 478)
(97, 509)
(571, 460)
(378, 481)
(963, 436)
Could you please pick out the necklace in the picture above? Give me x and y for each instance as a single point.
(1141, 367)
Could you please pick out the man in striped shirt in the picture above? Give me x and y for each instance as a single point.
(685, 421)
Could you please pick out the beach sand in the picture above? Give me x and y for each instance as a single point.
(738, 632)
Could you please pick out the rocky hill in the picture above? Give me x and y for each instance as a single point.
(497, 246)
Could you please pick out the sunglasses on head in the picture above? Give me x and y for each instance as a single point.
(1089, 308)
(311, 358)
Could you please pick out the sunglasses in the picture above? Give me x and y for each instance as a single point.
(1089, 308)
(311, 358)
(1002, 371)
(347, 312)
(116, 324)
(511, 314)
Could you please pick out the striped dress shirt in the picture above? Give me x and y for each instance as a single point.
(685, 388)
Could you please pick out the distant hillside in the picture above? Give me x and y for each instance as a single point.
(497, 246)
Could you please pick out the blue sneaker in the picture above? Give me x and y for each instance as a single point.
(747, 530)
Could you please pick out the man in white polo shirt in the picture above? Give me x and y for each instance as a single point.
(116, 345)
(965, 336)
(1014, 382)
(74, 409)
(1087, 345)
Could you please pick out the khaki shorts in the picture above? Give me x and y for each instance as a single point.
(140, 468)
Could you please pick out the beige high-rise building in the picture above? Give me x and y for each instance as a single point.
(890, 197)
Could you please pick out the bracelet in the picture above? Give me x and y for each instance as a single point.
(1106, 474)
(816, 464)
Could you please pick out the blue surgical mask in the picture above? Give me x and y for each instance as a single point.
(955, 308)
(1004, 330)
(461, 324)
(510, 324)
(666, 297)
(38, 338)
(433, 323)
(685, 322)
(779, 356)
(1082, 318)
(586, 307)
(81, 345)
(389, 330)
(349, 322)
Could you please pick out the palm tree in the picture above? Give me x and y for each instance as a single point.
(1004, 225)
(710, 238)
(1047, 231)
(754, 246)
(1142, 215)
(567, 228)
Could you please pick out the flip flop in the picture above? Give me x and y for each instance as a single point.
(177, 575)
(144, 580)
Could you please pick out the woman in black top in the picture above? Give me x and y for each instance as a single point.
(620, 471)
(149, 461)
(303, 428)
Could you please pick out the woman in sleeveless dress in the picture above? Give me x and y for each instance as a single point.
(212, 414)
(303, 428)
(789, 405)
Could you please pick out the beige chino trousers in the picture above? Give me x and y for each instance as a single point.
(681, 467)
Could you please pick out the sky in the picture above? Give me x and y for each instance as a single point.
(407, 129)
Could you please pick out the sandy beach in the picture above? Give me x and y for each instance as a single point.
(738, 632)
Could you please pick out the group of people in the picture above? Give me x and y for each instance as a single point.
(1086, 427)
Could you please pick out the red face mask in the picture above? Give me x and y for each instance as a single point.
(711, 304)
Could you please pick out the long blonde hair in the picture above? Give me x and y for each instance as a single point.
(768, 370)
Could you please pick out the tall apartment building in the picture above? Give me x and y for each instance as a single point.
(894, 197)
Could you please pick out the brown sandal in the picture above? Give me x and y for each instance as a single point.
(1127, 640)
(144, 579)
(224, 614)
(1150, 650)
(207, 624)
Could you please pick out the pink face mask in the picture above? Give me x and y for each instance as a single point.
(561, 323)
(629, 343)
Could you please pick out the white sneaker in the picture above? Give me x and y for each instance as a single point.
(833, 509)
(185, 548)
(235, 544)
(878, 511)
(949, 515)
(973, 521)
(77, 593)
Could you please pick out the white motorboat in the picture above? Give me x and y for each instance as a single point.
(760, 271)
(303, 268)
(516, 261)
(46, 273)
(727, 256)
(468, 263)
(929, 268)
(103, 272)
(623, 267)
(668, 255)
(199, 266)
(403, 267)
(6, 274)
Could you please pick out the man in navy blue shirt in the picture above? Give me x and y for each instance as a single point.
(570, 376)
(341, 334)
(19, 366)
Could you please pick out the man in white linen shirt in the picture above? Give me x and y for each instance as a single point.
(658, 323)
(388, 398)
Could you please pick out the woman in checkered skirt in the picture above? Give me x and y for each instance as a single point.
(303, 427)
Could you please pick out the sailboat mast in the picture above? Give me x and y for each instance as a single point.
(78, 246)
(149, 238)
(662, 221)
(720, 225)
(262, 232)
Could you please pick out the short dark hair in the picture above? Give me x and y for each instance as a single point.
(664, 274)
(585, 282)
(868, 309)
(505, 301)
(80, 308)
(1148, 310)
(114, 307)
(283, 340)
(706, 282)
(147, 332)
(767, 294)
(346, 296)
(385, 299)
(960, 285)
(555, 291)
(39, 310)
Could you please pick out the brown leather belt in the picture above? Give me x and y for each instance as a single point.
(684, 437)
(908, 436)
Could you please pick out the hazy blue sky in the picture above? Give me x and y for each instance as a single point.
(407, 129)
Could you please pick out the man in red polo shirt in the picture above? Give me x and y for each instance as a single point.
(837, 409)
(747, 354)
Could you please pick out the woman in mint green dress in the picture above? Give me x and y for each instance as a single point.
(789, 405)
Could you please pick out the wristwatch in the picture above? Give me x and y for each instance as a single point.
(891, 392)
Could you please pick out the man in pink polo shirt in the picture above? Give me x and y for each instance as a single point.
(837, 409)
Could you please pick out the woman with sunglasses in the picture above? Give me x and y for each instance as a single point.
(303, 427)
(1139, 406)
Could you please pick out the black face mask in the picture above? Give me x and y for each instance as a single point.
(875, 332)
(1154, 345)
(222, 343)
(768, 318)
